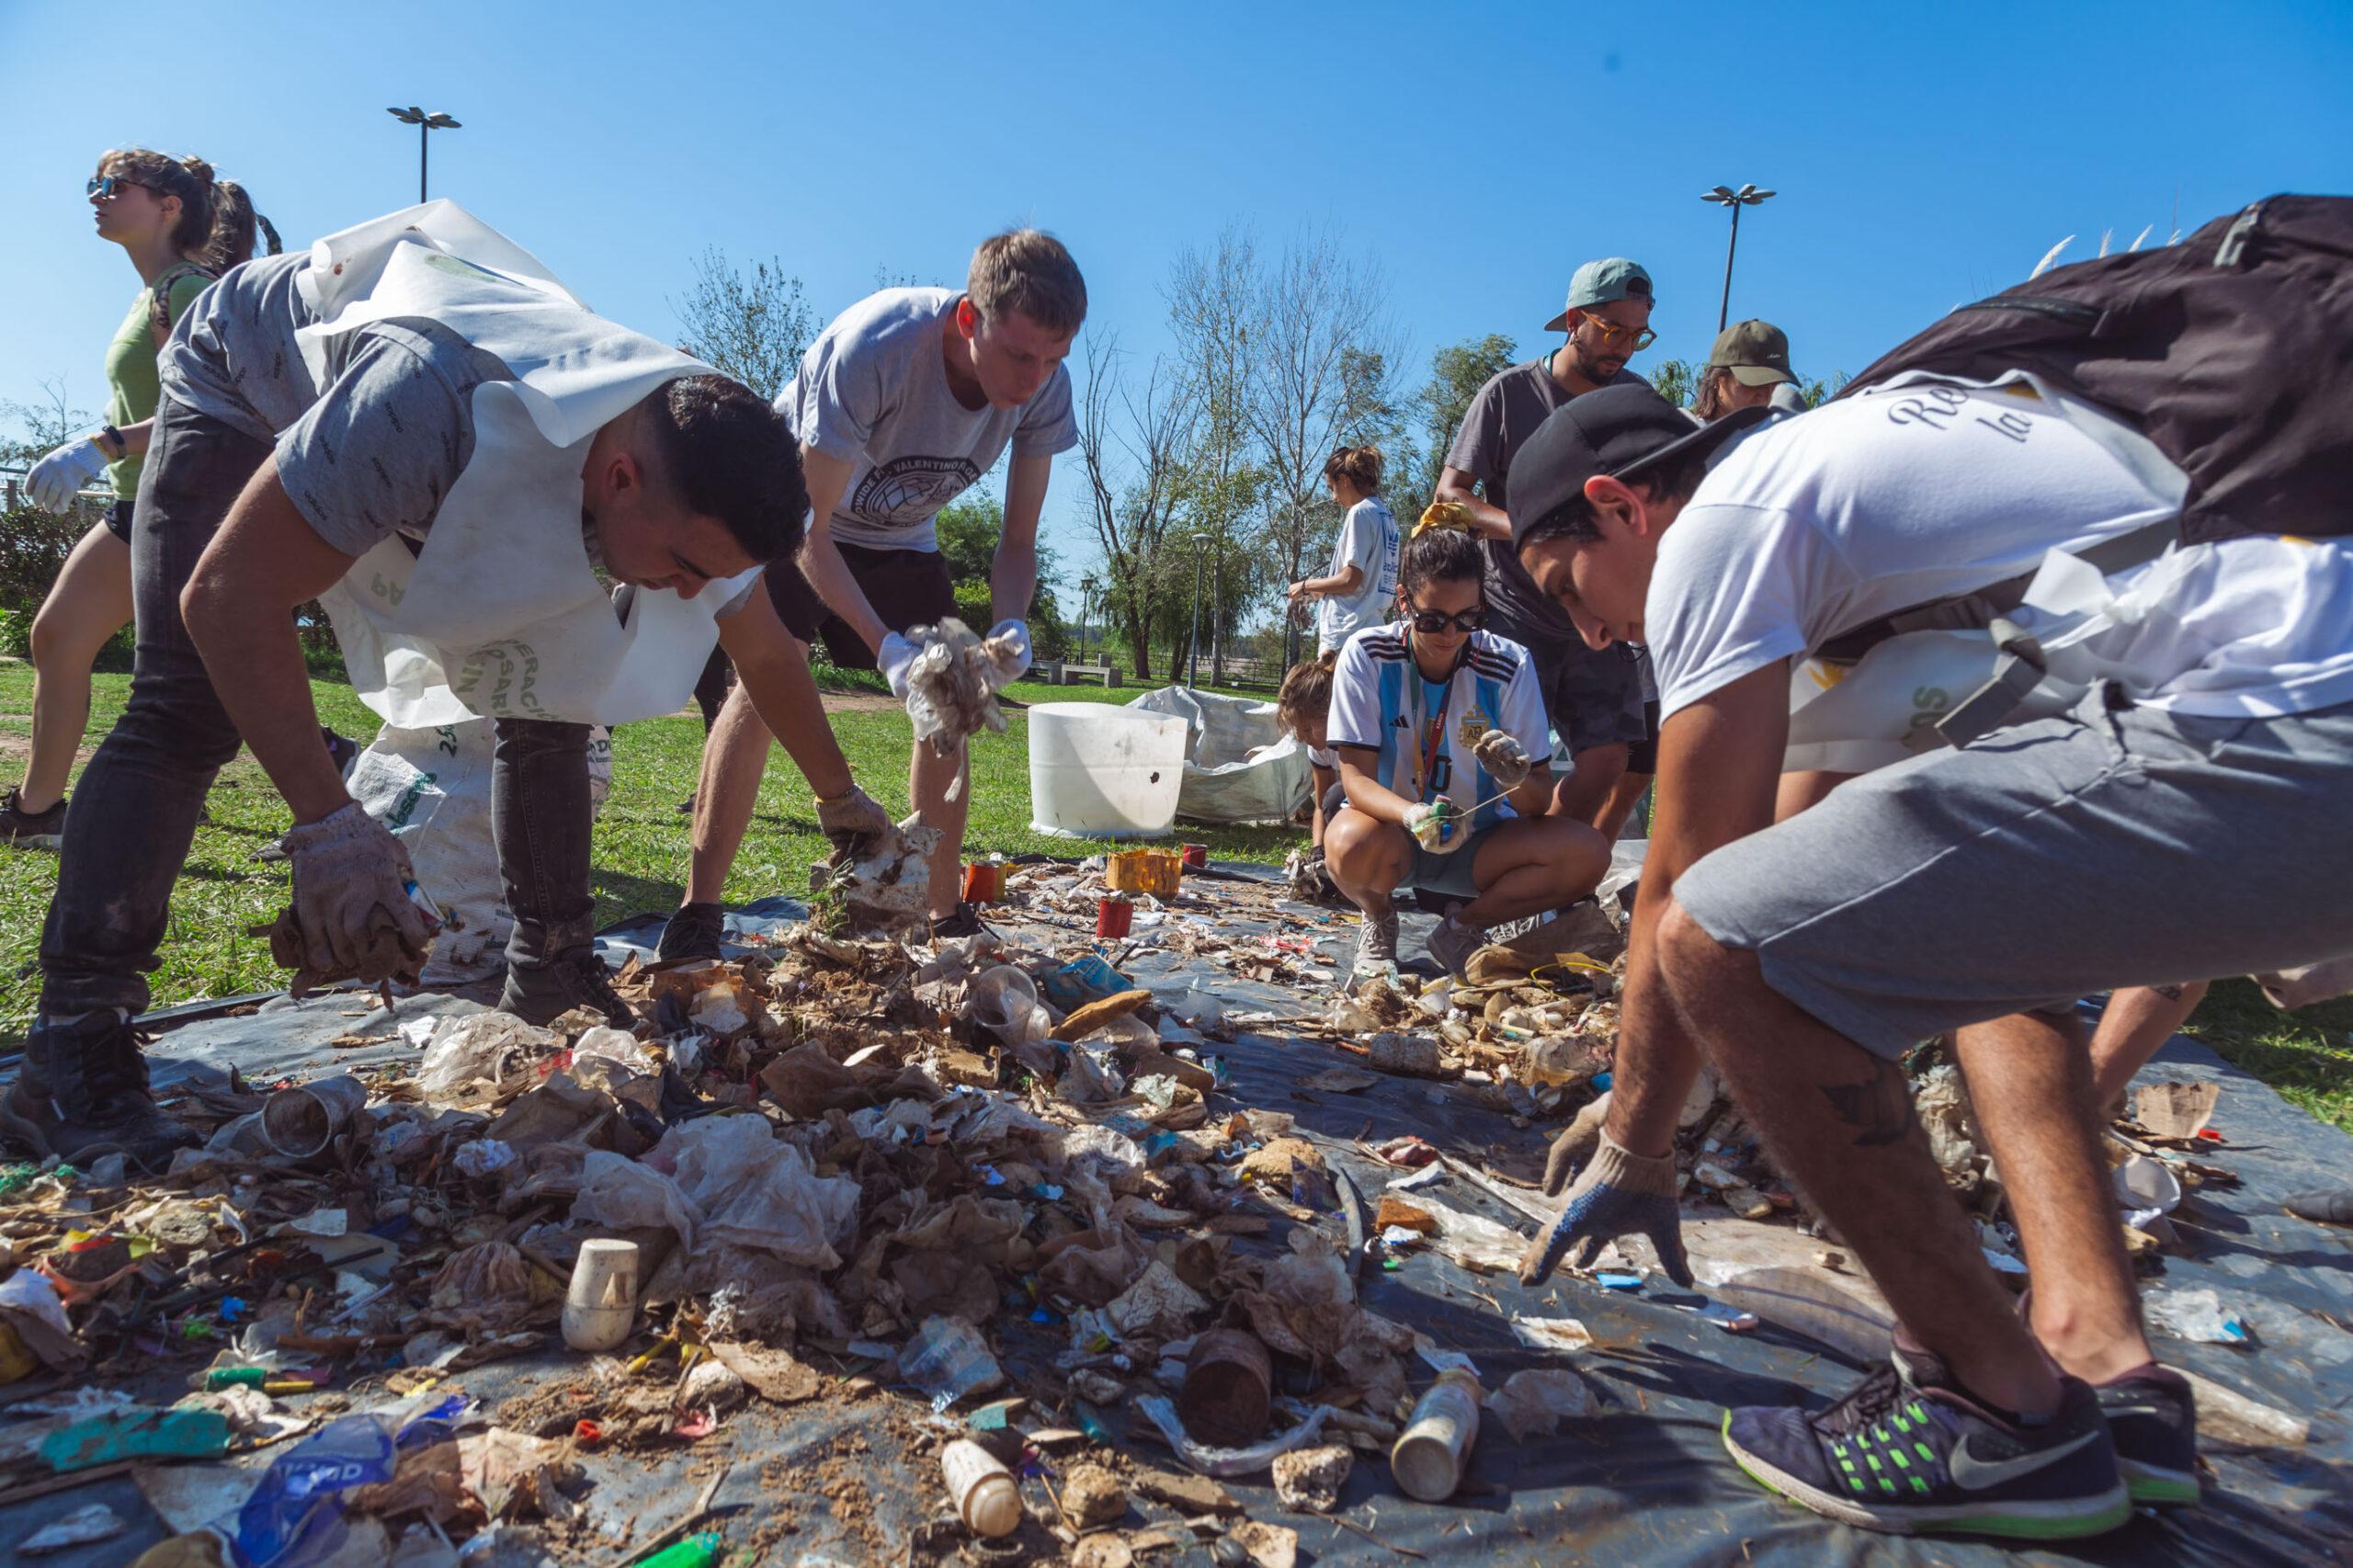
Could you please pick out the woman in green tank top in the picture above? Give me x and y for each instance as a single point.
(181, 228)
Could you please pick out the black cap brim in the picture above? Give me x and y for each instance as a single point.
(1620, 431)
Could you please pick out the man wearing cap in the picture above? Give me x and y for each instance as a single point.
(2205, 697)
(1748, 367)
(1594, 699)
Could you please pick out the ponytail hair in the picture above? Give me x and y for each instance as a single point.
(1360, 466)
(217, 222)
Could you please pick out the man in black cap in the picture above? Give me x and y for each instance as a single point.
(1971, 890)
(1594, 699)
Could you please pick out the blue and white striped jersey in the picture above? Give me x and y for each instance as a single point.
(1424, 731)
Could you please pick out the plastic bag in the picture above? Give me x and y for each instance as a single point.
(294, 1516)
(948, 1359)
(753, 1191)
(478, 1045)
(952, 685)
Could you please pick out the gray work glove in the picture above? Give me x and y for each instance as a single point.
(1620, 1192)
(1574, 1145)
(1505, 760)
(356, 903)
(849, 818)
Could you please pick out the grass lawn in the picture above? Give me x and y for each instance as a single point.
(641, 845)
(642, 862)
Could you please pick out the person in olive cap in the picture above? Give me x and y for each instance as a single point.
(1594, 699)
(1748, 367)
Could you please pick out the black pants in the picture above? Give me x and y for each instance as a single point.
(133, 814)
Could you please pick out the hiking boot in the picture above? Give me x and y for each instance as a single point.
(1452, 944)
(543, 993)
(2153, 1417)
(2324, 1206)
(1905, 1454)
(31, 830)
(694, 932)
(82, 1092)
(1376, 946)
(965, 922)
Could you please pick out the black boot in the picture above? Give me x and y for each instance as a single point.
(693, 933)
(82, 1092)
(540, 993)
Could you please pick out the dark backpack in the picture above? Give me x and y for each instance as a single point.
(2232, 352)
(159, 293)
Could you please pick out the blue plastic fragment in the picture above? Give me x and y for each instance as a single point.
(1619, 1281)
(1601, 1082)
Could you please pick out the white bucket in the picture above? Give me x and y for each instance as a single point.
(1097, 771)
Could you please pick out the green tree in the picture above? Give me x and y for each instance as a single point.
(1817, 391)
(1676, 380)
(1457, 372)
(753, 327)
(968, 529)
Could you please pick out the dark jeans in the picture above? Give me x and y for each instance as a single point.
(133, 814)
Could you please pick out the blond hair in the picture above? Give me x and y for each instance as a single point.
(1360, 466)
(1306, 695)
(1027, 270)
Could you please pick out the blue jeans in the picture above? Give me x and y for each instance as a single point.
(132, 816)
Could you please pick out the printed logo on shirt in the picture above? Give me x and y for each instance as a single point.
(906, 491)
(1474, 724)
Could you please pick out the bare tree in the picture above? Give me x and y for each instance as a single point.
(1135, 446)
(752, 326)
(46, 423)
(1215, 308)
(1322, 377)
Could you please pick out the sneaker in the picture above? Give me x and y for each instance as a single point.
(2152, 1416)
(31, 830)
(543, 993)
(693, 933)
(82, 1092)
(1906, 1455)
(2324, 1206)
(1377, 945)
(1452, 944)
(965, 922)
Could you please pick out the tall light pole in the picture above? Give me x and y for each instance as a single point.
(427, 124)
(1724, 195)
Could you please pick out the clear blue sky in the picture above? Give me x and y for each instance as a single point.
(1924, 154)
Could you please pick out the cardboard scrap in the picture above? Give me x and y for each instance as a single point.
(2176, 1110)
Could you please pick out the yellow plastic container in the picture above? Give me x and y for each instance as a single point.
(1155, 871)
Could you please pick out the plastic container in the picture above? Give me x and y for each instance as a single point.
(987, 1497)
(984, 881)
(1096, 771)
(1153, 872)
(601, 1306)
(302, 1121)
(1004, 1000)
(1430, 1458)
(1114, 917)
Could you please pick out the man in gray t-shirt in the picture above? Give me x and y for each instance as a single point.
(902, 405)
(1593, 698)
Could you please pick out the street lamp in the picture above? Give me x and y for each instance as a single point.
(427, 124)
(1724, 195)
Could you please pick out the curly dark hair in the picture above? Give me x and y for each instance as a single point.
(725, 451)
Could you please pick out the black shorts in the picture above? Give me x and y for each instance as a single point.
(1642, 756)
(117, 518)
(906, 588)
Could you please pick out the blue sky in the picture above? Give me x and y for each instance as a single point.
(1924, 154)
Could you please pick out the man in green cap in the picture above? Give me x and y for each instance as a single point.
(1748, 367)
(1594, 699)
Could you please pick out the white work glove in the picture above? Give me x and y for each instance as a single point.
(846, 819)
(1006, 648)
(1436, 826)
(1505, 760)
(63, 475)
(894, 659)
(352, 888)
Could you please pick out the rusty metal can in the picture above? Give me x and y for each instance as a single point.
(1228, 1389)
(1196, 856)
(984, 881)
(1113, 916)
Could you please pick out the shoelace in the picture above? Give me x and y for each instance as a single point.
(1880, 1393)
(113, 1069)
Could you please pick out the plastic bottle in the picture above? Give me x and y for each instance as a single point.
(987, 1497)
(1430, 1458)
(948, 1359)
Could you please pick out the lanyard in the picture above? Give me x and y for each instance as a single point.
(1426, 778)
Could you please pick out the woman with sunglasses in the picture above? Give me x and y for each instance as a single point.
(1442, 738)
(181, 228)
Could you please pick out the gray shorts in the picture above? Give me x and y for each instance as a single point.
(2074, 853)
(1449, 875)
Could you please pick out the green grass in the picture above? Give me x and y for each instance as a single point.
(2306, 1055)
(642, 838)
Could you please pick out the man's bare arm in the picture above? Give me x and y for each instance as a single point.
(1455, 485)
(821, 559)
(1013, 571)
(775, 676)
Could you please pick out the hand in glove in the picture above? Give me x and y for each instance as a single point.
(352, 900)
(894, 658)
(59, 477)
(1574, 1145)
(849, 818)
(1620, 1192)
(1436, 826)
(1006, 648)
(1505, 760)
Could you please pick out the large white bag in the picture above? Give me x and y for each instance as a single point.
(1240, 766)
(432, 788)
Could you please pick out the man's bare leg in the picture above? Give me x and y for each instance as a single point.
(2135, 1023)
(2029, 1081)
(735, 758)
(1619, 809)
(1839, 1120)
(928, 777)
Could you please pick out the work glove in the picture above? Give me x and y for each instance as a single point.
(61, 475)
(1006, 648)
(1620, 1192)
(852, 817)
(894, 658)
(356, 903)
(1574, 1145)
(1436, 826)
(1505, 760)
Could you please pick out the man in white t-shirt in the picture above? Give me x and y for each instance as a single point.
(902, 405)
(1357, 587)
(2203, 699)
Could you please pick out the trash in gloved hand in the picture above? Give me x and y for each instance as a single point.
(1505, 760)
(953, 682)
(1437, 826)
(386, 957)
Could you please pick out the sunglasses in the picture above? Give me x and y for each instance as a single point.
(106, 187)
(1434, 622)
(1611, 332)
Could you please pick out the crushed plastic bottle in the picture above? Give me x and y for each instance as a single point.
(948, 1359)
(2195, 1315)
